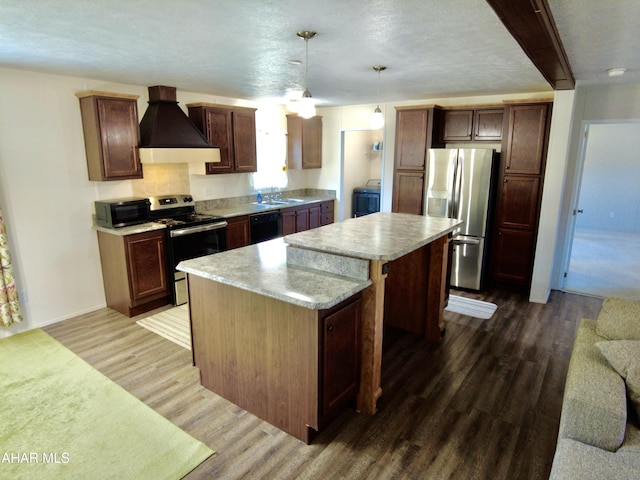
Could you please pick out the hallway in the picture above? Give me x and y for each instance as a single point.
(604, 264)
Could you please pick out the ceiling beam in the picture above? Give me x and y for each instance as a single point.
(531, 23)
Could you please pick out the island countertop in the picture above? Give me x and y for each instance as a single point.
(262, 268)
(379, 236)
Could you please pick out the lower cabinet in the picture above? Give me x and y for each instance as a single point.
(515, 262)
(408, 191)
(238, 232)
(294, 367)
(305, 217)
(134, 270)
(340, 357)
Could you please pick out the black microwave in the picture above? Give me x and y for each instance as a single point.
(122, 212)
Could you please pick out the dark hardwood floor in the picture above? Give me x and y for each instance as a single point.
(483, 404)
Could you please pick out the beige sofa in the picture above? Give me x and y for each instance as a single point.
(599, 436)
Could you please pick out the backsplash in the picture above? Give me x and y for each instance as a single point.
(218, 203)
(163, 179)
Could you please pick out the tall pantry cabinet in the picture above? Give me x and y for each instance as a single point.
(522, 167)
(414, 136)
(524, 133)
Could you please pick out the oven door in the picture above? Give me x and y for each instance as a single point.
(192, 242)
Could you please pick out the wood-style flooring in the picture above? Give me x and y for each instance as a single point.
(482, 404)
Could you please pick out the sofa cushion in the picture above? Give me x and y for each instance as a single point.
(594, 407)
(575, 460)
(624, 357)
(619, 319)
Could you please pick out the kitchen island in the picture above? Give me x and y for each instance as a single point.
(293, 332)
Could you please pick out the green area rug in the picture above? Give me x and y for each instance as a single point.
(61, 418)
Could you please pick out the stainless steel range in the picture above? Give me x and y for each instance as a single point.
(189, 235)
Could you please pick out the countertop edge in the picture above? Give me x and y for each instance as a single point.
(358, 287)
(290, 240)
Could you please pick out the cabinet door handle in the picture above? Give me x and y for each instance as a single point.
(330, 328)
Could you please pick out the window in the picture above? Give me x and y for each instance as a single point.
(272, 161)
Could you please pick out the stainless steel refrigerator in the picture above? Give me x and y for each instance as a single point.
(459, 184)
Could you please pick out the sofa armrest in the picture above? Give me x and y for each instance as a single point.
(594, 408)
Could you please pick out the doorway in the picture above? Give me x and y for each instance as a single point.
(362, 160)
(604, 259)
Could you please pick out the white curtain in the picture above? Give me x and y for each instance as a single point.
(9, 305)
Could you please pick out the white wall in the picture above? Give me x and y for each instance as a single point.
(618, 102)
(552, 195)
(610, 186)
(47, 201)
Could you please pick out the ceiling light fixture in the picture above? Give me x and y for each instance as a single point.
(307, 108)
(377, 121)
(616, 72)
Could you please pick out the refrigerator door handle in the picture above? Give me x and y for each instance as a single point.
(453, 210)
(466, 241)
(457, 185)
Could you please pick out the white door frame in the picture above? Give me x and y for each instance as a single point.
(575, 191)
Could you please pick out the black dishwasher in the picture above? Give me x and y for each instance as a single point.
(265, 226)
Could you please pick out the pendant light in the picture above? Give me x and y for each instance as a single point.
(377, 121)
(307, 108)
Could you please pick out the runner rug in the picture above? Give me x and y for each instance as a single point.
(61, 418)
(172, 324)
(471, 307)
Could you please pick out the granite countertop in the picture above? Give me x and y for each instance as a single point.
(132, 230)
(262, 268)
(251, 208)
(379, 236)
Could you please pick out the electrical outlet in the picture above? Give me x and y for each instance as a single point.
(22, 296)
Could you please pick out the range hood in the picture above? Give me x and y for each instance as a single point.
(167, 135)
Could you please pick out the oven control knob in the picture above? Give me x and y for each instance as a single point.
(188, 199)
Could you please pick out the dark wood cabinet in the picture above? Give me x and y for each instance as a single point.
(233, 130)
(483, 124)
(238, 232)
(288, 219)
(340, 361)
(326, 213)
(111, 135)
(519, 192)
(514, 262)
(408, 192)
(526, 143)
(415, 134)
(487, 124)
(412, 128)
(134, 271)
(457, 125)
(305, 217)
(315, 215)
(304, 142)
(519, 202)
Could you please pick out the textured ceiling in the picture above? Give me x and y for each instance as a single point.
(243, 48)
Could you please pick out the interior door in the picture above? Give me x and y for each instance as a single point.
(602, 256)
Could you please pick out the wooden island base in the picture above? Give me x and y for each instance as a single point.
(292, 366)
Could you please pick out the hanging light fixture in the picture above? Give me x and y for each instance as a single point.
(307, 109)
(377, 121)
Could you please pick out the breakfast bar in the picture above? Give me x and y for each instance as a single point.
(291, 329)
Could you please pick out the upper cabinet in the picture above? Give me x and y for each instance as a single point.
(111, 135)
(233, 130)
(304, 142)
(525, 143)
(414, 136)
(483, 124)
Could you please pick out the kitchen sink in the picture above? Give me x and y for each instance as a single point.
(286, 201)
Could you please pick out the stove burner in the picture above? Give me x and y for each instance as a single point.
(170, 221)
